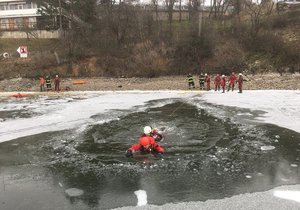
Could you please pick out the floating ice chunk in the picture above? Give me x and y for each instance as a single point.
(142, 197)
(284, 179)
(74, 192)
(289, 195)
(294, 165)
(264, 148)
(244, 114)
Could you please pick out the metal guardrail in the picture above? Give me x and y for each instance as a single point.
(17, 26)
(25, 26)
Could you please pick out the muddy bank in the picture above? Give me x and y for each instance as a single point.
(256, 82)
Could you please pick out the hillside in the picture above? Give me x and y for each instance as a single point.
(224, 46)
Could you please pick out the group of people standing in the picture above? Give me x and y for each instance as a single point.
(47, 81)
(219, 82)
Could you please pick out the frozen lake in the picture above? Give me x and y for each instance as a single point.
(68, 152)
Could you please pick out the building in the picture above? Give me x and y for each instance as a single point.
(18, 15)
(288, 5)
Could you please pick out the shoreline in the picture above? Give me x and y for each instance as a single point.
(257, 82)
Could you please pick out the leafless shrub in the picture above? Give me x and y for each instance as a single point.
(228, 57)
(148, 60)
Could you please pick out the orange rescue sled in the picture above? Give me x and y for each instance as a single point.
(79, 82)
(19, 95)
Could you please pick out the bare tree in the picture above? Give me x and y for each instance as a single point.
(155, 4)
(180, 1)
(257, 12)
(220, 7)
(170, 9)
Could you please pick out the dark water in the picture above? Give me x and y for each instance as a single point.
(211, 152)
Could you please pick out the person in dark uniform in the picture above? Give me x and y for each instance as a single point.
(190, 80)
(240, 82)
(201, 81)
(48, 83)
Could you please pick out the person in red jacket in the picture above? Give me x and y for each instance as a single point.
(146, 145)
(207, 80)
(232, 79)
(152, 132)
(223, 83)
(240, 82)
(156, 135)
(217, 82)
(57, 83)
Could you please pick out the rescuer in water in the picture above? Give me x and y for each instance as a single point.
(147, 144)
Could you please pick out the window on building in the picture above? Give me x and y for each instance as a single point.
(4, 24)
(2, 7)
(20, 6)
(25, 22)
(11, 24)
(13, 6)
(19, 22)
(27, 6)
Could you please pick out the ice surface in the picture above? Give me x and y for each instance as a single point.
(74, 192)
(61, 114)
(282, 107)
(265, 148)
(287, 194)
(142, 197)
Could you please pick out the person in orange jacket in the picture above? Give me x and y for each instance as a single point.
(42, 83)
(207, 80)
(223, 83)
(217, 82)
(240, 82)
(232, 79)
(146, 145)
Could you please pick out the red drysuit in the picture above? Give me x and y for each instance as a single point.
(217, 82)
(141, 146)
(223, 83)
(207, 80)
(232, 80)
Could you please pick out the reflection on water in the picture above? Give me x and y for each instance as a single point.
(208, 156)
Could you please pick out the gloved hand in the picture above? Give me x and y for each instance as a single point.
(129, 153)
